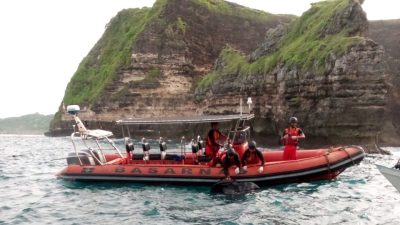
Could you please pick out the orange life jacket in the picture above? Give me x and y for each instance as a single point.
(292, 132)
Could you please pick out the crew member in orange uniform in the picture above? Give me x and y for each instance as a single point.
(253, 156)
(215, 140)
(290, 139)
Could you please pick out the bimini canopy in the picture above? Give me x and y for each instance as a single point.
(189, 119)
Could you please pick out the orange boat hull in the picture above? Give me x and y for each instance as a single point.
(320, 164)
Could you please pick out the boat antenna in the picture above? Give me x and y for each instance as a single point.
(74, 110)
(241, 106)
(249, 102)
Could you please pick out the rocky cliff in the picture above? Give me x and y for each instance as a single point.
(387, 33)
(201, 56)
(148, 60)
(319, 68)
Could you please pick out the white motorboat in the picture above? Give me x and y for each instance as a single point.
(393, 175)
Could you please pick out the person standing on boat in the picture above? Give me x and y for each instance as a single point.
(253, 156)
(231, 158)
(214, 142)
(290, 139)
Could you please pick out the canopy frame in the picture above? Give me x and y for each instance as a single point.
(185, 120)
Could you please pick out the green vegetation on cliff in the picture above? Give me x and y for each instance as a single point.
(149, 81)
(310, 39)
(110, 54)
(233, 62)
(113, 51)
(27, 124)
(232, 9)
(305, 45)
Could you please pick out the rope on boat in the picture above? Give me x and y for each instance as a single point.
(329, 164)
(351, 158)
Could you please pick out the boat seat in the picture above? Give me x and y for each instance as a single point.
(83, 157)
(98, 155)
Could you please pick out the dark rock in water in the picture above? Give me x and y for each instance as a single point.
(233, 187)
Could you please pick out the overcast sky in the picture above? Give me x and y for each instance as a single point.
(42, 43)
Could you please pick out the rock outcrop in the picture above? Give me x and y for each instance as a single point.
(387, 34)
(325, 73)
(201, 56)
(173, 47)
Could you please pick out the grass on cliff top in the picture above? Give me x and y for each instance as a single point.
(307, 45)
(233, 63)
(304, 46)
(232, 9)
(111, 53)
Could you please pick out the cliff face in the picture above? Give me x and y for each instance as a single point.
(172, 52)
(387, 33)
(319, 68)
(148, 60)
(201, 56)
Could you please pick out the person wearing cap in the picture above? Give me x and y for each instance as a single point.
(253, 156)
(214, 142)
(231, 158)
(290, 139)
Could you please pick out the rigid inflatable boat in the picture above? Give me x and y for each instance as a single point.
(95, 162)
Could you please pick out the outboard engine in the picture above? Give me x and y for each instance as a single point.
(129, 148)
(195, 146)
(195, 150)
(200, 144)
(129, 145)
(163, 148)
(146, 149)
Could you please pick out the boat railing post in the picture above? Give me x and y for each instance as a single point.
(122, 129)
(128, 153)
(115, 147)
(249, 102)
(101, 151)
(231, 127)
(235, 131)
(183, 149)
(129, 132)
(192, 143)
(76, 151)
(241, 107)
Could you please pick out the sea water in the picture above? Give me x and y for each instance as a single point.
(30, 193)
